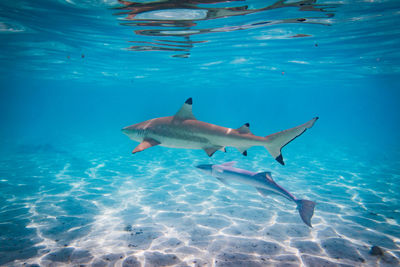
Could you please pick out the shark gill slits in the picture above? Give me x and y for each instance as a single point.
(189, 101)
(141, 132)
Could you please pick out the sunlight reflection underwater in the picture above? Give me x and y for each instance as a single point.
(183, 19)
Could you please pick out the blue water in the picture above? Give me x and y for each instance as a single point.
(73, 73)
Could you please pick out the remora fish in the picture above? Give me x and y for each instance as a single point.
(183, 131)
(262, 181)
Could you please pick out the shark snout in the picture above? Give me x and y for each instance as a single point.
(125, 130)
(128, 130)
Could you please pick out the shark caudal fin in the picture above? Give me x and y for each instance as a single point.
(306, 210)
(275, 142)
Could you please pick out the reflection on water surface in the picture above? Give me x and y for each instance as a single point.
(172, 23)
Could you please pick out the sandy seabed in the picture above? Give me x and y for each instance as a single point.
(109, 208)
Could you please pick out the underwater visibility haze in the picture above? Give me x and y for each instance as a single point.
(200, 192)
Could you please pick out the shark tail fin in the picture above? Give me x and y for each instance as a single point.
(306, 210)
(275, 142)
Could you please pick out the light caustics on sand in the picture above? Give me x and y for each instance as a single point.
(95, 213)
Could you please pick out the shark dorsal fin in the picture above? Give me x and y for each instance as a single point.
(267, 175)
(230, 164)
(245, 129)
(185, 113)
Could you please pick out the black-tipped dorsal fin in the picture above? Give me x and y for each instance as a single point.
(245, 129)
(185, 113)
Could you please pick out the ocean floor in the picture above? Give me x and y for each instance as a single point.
(106, 207)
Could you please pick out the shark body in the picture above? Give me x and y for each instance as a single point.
(262, 181)
(183, 130)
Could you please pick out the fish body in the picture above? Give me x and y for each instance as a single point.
(183, 130)
(263, 182)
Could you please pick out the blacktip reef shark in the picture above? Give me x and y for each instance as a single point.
(262, 181)
(183, 130)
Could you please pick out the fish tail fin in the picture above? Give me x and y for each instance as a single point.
(275, 142)
(306, 210)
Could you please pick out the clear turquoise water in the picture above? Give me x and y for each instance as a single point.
(72, 74)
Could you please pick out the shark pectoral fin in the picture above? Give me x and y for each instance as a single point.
(211, 150)
(145, 144)
(275, 142)
(244, 129)
(222, 180)
(185, 113)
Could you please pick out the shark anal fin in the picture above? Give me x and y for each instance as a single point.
(185, 113)
(211, 150)
(145, 144)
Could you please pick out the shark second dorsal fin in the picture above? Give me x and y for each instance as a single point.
(245, 129)
(185, 113)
